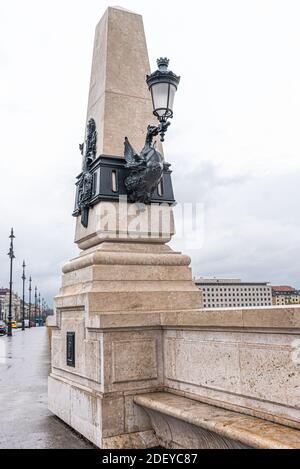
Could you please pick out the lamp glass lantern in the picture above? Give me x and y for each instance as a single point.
(163, 85)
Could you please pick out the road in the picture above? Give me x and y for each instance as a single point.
(25, 421)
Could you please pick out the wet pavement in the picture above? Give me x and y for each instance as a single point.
(25, 421)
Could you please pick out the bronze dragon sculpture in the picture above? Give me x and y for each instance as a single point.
(146, 168)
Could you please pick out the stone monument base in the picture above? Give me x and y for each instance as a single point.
(107, 345)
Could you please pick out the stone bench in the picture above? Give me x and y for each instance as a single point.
(180, 422)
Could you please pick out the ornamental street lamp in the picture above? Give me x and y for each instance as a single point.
(23, 309)
(12, 257)
(35, 304)
(163, 85)
(29, 303)
(39, 309)
(43, 309)
(146, 170)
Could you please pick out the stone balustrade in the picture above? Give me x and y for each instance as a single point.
(242, 360)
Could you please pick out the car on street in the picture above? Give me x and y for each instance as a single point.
(2, 328)
(14, 324)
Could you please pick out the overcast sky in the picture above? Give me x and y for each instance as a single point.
(234, 141)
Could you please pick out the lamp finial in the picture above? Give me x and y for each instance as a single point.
(163, 63)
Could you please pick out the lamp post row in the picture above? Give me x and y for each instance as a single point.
(37, 298)
(23, 299)
(11, 255)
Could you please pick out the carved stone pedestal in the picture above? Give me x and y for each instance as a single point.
(97, 368)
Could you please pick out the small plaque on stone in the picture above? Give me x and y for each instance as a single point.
(71, 349)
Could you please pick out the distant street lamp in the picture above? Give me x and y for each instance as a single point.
(12, 257)
(43, 309)
(35, 304)
(29, 304)
(163, 85)
(39, 309)
(23, 309)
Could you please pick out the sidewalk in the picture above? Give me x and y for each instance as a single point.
(25, 421)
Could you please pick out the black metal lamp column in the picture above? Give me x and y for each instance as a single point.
(12, 257)
(35, 305)
(29, 304)
(39, 309)
(23, 309)
(43, 310)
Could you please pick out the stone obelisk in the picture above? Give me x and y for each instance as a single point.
(105, 349)
(119, 99)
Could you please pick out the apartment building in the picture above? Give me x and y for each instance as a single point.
(285, 295)
(233, 293)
